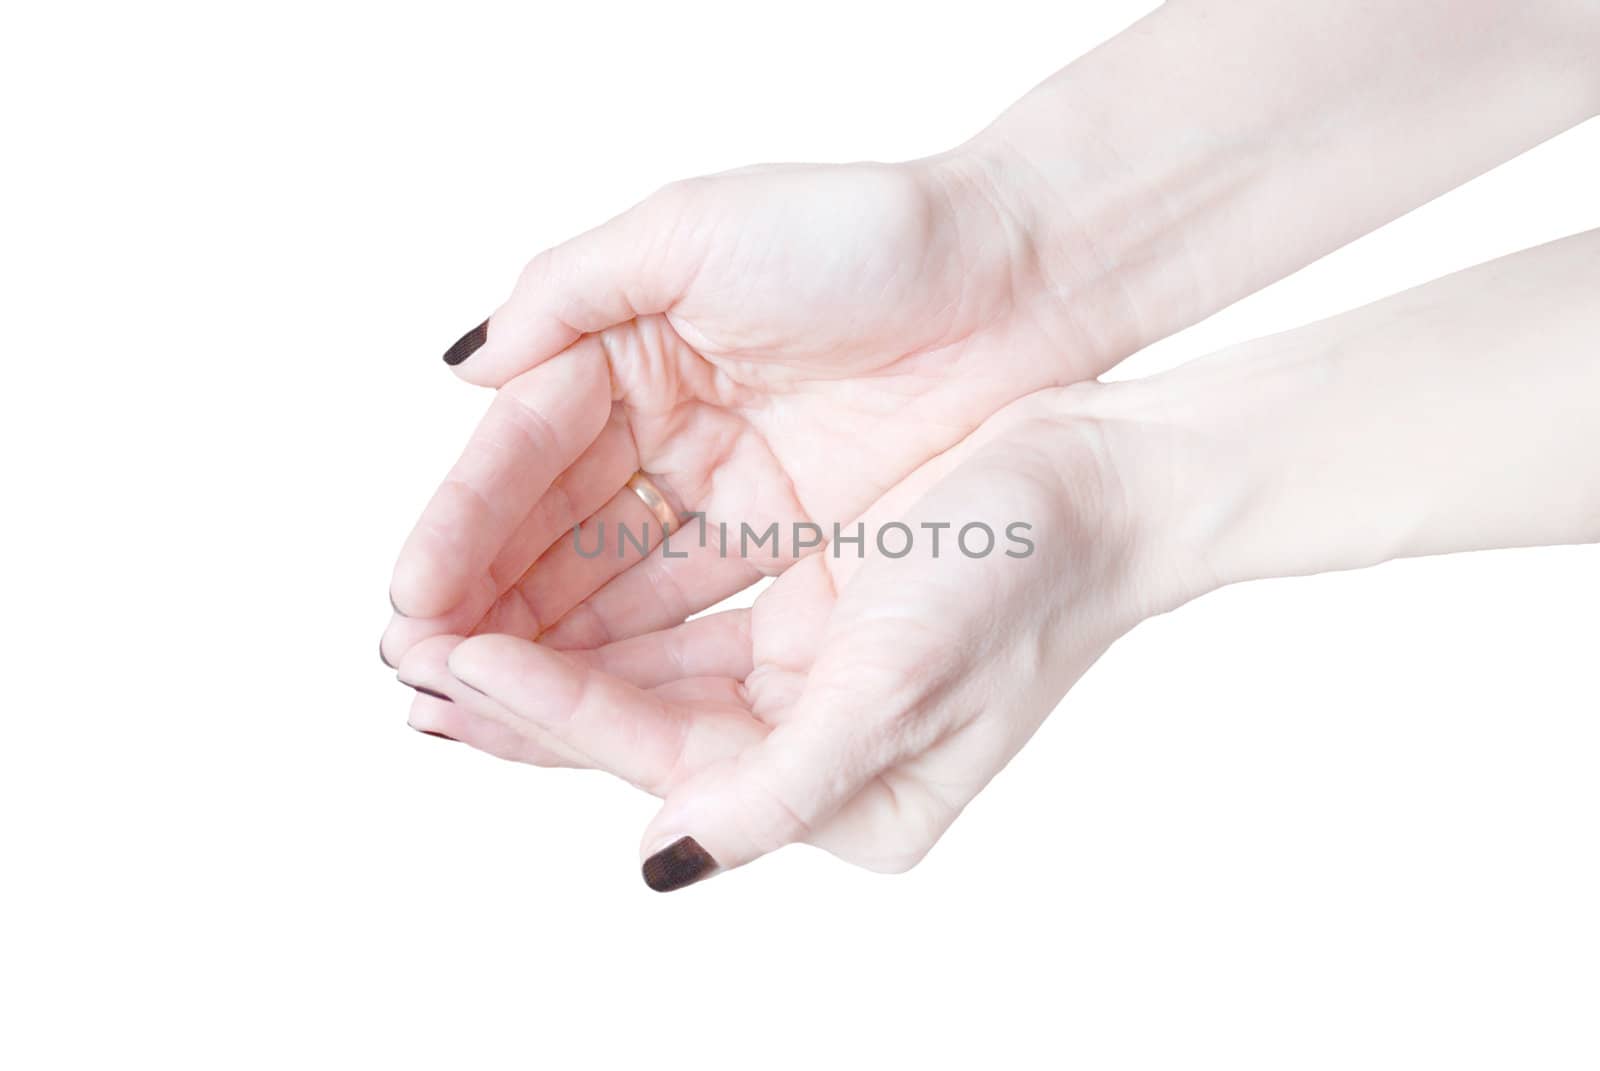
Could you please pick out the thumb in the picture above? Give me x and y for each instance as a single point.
(630, 266)
(776, 792)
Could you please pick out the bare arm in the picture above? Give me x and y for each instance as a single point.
(1213, 147)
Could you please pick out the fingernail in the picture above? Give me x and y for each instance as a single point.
(469, 686)
(398, 612)
(683, 862)
(428, 692)
(441, 736)
(467, 344)
(383, 657)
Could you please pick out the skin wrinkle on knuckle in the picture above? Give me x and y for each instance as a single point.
(566, 509)
(766, 837)
(572, 710)
(679, 769)
(564, 263)
(673, 600)
(605, 613)
(558, 504)
(535, 435)
(578, 306)
(677, 654)
(588, 614)
(622, 372)
(534, 275)
(945, 800)
(564, 506)
(452, 539)
(900, 833)
(525, 302)
(517, 596)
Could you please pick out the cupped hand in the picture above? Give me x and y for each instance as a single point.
(775, 344)
(860, 703)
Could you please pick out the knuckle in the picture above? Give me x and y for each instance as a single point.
(899, 850)
(680, 190)
(897, 861)
(535, 271)
(769, 822)
(901, 700)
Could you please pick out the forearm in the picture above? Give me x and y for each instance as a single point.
(1214, 147)
(1461, 415)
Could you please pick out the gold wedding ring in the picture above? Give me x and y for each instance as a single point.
(654, 501)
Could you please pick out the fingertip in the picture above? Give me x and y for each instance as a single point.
(485, 371)
(427, 660)
(517, 342)
(481, 356)
(421, 586)
(434, 716)
(691, 823)
(400, 635)
(475, 660)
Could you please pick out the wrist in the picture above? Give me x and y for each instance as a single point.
(1088, 252)
(1240, 467)
(1117, 505)
(1457, 416)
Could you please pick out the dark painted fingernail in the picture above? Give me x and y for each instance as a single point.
(428, 691)
(441, 736)
(683, 862)
(467, 344)
(383, 657)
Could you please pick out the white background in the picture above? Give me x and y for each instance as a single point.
(1333, 822)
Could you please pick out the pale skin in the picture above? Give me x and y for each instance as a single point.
(916, 342)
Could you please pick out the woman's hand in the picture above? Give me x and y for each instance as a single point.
(784, 343)
(859, 705)
(779, 344)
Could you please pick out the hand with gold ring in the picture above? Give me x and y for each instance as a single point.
(871, 693)
(783, 344)
(803, 341)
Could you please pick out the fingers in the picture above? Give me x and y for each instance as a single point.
(615, 537)
(580, 491)
(450, 720)
(838, 744)
(437, 709)
(536, 427)
(633, 265)
(573, 499)
(717, 645)
(638, 735)
(697, 664)
(653, 594)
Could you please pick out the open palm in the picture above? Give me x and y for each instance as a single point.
(771, 345)
(861, 702)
